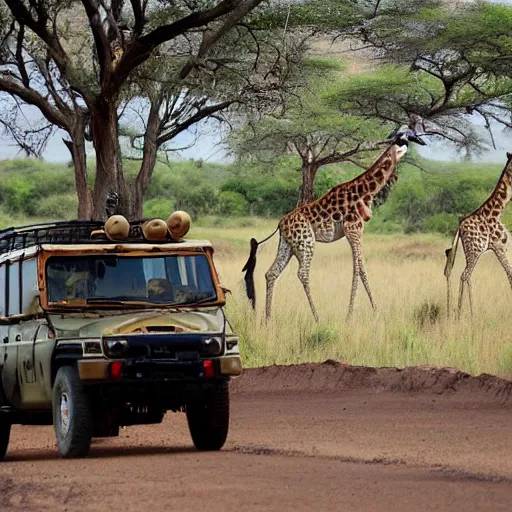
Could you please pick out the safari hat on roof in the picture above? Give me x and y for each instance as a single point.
(154, 229)
(117, 228)
(179, 224)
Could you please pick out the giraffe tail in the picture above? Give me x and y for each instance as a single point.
(451, 253)
(250, 266)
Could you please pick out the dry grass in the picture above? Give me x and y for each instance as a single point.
(410, 327)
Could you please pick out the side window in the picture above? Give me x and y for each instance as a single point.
(29, 284)
(3, 312)
(14, 289)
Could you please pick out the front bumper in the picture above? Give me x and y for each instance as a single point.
(157, 370)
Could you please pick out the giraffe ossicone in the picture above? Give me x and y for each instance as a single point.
(339, 213)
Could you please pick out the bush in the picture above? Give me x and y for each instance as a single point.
(444, 223)
(232, 203)
(321, 336)
(57, 207)
(158, 208)
(202, 200)
(18, 195)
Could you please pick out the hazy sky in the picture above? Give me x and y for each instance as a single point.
(209, 148)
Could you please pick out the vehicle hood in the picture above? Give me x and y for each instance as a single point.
(87, 326)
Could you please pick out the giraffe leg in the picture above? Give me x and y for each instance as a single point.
(465, 279)
(284, 253)
(354, 234)
(305, 254)
(504, 259)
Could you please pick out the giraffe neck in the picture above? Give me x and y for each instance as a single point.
(381, 171)
(374, 182)
(501, 194)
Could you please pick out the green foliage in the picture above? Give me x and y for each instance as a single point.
(62, 206)
(444, 223)
(198, 201)
(233, 202)
(320, 337)
(432, 200)
(158, 208)
(18, 195)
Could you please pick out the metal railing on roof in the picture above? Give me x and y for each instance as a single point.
(61, 232)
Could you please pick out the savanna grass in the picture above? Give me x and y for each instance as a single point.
(410, 327)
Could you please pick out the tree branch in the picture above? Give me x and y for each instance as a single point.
(34, 98)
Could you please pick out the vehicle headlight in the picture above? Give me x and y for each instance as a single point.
(231, 342)
(117, 347)
(212, 346)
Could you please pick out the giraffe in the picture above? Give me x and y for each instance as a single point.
(341, 212)
(480, 232)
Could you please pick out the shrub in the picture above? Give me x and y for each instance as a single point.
(202, 200)
(321, 336)
(444, 223)
(56, 207)
(158, 208)
(232, 203)
(18, 195)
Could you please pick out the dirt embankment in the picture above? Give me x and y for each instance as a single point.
(332, 376)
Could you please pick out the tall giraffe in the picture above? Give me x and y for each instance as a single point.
(480, 232)
(341, 212)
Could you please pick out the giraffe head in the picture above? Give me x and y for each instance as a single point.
(401, 139)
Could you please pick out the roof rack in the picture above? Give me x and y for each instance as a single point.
(62, 232)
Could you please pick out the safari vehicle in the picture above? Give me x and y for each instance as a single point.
(110, 325)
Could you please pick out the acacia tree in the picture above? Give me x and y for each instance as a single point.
(312, 130)
(435, 69)
(247, 73)
(77, 78)
(442, 65)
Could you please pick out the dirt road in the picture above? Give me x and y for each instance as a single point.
(320, 437)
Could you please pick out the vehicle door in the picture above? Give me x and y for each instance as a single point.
(10, 377)
(29, 371)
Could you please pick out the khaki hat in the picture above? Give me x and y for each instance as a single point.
(179, 224)
(117, 228)
(154, 230)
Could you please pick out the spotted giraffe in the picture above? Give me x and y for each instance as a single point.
(480, 232)
(341, 212)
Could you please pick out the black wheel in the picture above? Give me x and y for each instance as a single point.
(5, 434)
(208, 419)
(72, 417)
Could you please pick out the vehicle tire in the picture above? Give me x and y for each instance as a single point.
(208, 419)
(72, 415)
(5, 434)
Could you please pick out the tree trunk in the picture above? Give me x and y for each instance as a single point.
(76, 147)
(307, 189)
(149, 153)
(109, 172)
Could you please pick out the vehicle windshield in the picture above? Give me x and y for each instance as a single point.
(176, 280)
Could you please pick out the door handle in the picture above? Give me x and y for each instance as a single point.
(18, 337)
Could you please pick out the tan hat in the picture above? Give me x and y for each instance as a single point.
(154, 230)
(117, 227)
(179, 224)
